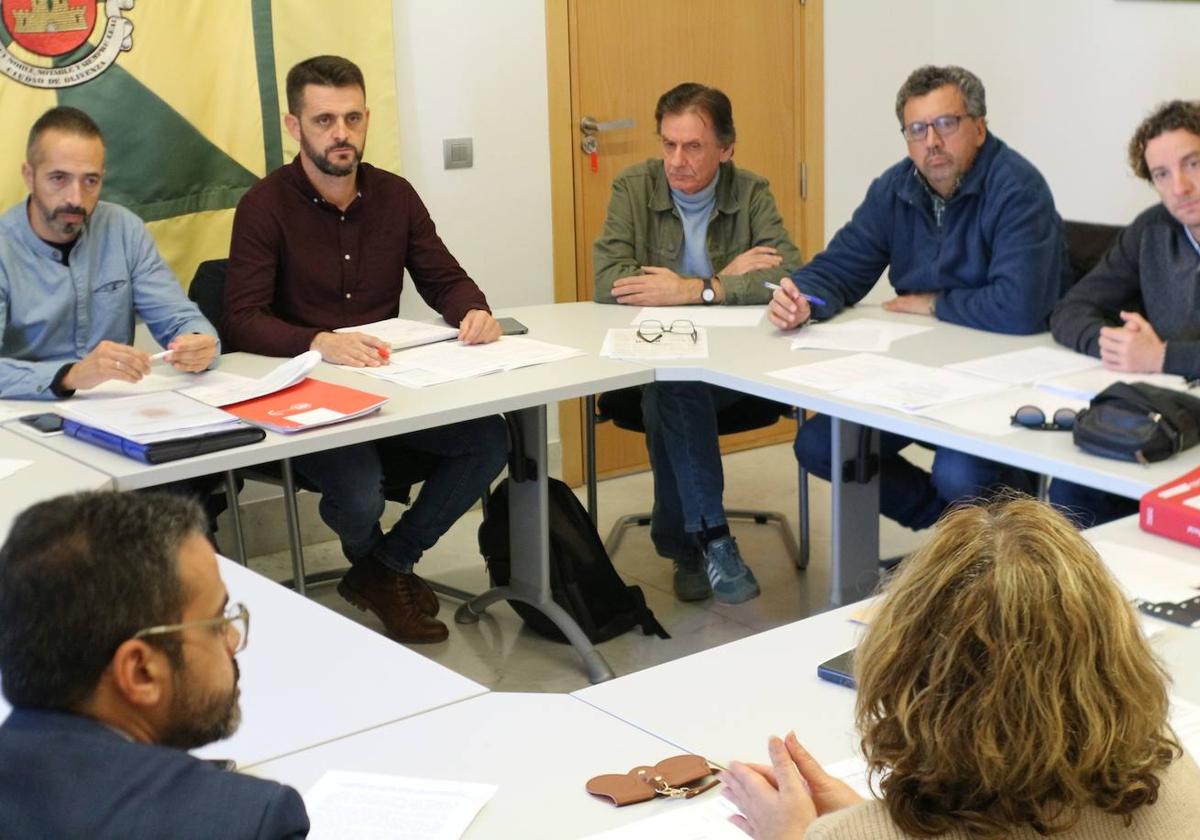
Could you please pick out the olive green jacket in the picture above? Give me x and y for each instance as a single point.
(643, 228)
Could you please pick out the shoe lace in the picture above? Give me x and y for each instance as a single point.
(726, 559)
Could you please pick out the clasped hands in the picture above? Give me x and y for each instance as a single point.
(1134, 347)
(357, 349)
(658, 286)
(111, 360)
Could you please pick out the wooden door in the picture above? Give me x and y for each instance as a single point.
(619, 57)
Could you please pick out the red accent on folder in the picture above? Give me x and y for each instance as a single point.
(306, 405)
(1173, 510)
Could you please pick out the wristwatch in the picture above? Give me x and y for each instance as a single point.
(708, 295)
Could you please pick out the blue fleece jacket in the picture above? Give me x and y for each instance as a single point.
(997, 262)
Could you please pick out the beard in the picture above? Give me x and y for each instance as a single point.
(324, 164)
(201, 718)
(53, 219)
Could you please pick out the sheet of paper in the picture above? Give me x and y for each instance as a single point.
(1185, 720)
(1022, 367)
(401, 332)
(703, 316)
(625, 344)
(434, 364)
(228, 390)
(921, 389)
(166, 380)
(1148, 575)
(1085, 384)
(7, 414)
(991, 414)
(845, 371)
(372, 806)
(147, 418)
(8, 466)
(703, 818)
(867, 335)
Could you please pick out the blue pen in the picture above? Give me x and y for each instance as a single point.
(809, 298)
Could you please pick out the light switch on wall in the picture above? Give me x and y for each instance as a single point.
(458, 153)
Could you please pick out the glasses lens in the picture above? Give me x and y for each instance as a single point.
(1029, 416)
(650, 330)
(1064, 419)
(916, 131)
(946, 124)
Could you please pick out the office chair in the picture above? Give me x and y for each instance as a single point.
(208, 292)
(623, 408)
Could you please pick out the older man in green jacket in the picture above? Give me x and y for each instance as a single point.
(692, 229)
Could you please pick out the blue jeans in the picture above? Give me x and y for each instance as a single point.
(907, 493)
(456, 463)
(1086, 506)
(685, 457)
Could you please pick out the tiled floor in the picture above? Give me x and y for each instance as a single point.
(502, 654)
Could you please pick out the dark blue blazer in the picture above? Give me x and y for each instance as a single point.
(66, 776)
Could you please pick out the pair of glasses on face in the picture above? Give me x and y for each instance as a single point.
(945, 125)
(651, 331)
(1032, 417)
(236, 620)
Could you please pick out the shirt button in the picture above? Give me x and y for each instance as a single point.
(347, 296)
(343, 218)
(316, 201)
(347, 256)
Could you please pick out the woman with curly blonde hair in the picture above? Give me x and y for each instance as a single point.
(1005, 690)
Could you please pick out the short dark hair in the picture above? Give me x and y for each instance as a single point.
(81, 574)
(328, 70)
(929, 78)
(62, 118)
(1169, 116)
(691, 96)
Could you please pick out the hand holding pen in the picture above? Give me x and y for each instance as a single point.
(789, 306)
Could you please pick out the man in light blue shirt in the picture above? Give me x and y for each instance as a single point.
(75, 270)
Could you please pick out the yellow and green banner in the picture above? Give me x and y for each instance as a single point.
(189, 95)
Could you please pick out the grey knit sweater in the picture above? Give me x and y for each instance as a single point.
(1175, 816)
(1153, 269)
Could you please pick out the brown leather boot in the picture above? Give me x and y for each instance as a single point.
(394, 598)
(427, 599)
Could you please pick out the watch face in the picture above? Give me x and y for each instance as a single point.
(708, 295)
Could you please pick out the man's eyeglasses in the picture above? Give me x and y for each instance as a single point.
(651, 331)
(945, 125)
(1032, 417)
(235, 620)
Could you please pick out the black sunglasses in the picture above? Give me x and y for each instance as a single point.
(1032, 417)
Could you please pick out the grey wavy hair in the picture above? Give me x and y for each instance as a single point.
(929, 78)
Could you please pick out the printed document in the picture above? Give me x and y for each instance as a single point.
(1085, 384)
(703, 316)
(400, 333)
(149, 418)
(231, 388)
(928, 387)
(625, 344)
(1021, 367)
(373, 806)
(846, 371)
(435, 364)
(866, 335)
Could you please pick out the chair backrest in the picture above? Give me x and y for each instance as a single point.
(1087, 243)
(208, 293)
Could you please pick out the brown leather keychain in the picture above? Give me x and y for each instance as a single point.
(670, 777)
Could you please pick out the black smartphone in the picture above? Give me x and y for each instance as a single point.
(47, 423)
(511, 326)
(839, 670)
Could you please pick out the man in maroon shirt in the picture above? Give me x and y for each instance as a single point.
(323, 243)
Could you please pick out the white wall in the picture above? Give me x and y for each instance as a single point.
(1067, 82)
(475, 68)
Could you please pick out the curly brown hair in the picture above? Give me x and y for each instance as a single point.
(1005, 681)
(1169, 116)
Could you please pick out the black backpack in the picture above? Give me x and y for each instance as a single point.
(582, 578)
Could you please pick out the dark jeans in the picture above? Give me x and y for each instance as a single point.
(457, 464)
(685, 456)
(1086, 506)
(907, 493)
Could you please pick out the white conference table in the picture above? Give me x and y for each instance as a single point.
(51, 474)
(540, 749)
(309, 675)
(724, 702)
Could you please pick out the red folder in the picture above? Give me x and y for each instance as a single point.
(306, 405)
(1173, 510)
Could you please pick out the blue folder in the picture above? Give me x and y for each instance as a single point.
(165, 450)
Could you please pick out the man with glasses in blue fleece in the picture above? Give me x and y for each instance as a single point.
(117, 645)
(969, 231)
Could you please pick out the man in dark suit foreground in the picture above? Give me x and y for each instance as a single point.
(117, 643)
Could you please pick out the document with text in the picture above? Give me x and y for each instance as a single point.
(372, 806)
(866, 335)
(435, 364)
(1021, 367)
(400, 333)
(847, 371)
(628, 345)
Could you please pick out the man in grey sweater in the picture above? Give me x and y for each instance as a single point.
(1139, 309)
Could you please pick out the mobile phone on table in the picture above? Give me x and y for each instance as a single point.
(48, 423)
(839, 670)
(511, 326)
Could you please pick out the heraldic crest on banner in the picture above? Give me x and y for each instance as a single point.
(45, 42)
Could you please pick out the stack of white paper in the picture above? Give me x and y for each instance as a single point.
(847, 371)
(372, 806)
(231, 388)
(435, 364)
(149, 418)
(400, 333)
(625, 344)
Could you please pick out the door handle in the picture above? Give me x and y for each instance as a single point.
(589, 125)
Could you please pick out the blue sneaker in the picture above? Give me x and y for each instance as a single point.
(691, 581)
(732, 581)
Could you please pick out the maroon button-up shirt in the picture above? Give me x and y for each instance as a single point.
(299, 266)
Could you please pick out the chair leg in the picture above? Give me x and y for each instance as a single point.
(235, 516)
(802, 557)
(1043, 490)
(590, 456)
(615, 534)
(293, 525)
